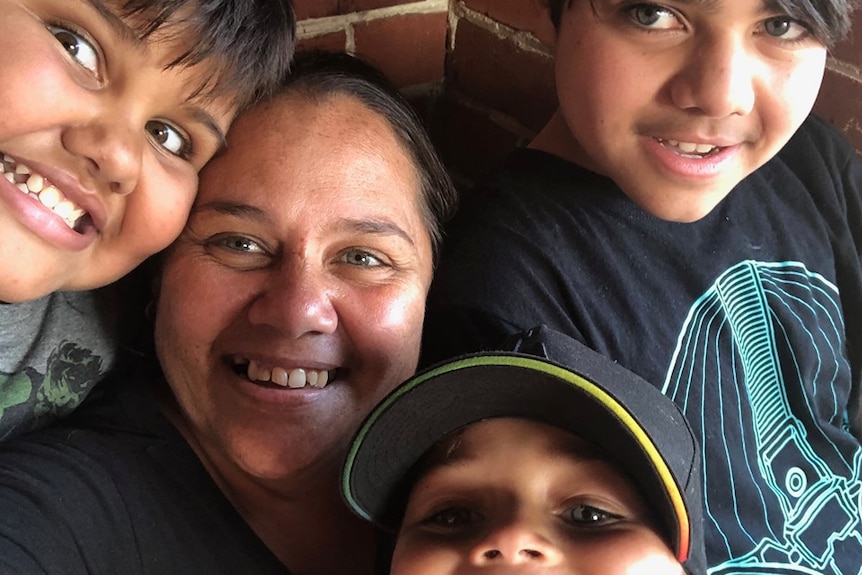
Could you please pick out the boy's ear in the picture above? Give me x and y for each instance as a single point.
(543, 26)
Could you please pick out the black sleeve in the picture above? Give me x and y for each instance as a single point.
(58, 512)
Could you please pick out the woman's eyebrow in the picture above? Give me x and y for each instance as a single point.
(376, 227)
(232, 209)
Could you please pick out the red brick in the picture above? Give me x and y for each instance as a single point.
(410, 49)
(840, 102)
(362, 5)
(850, 50)
(334, 41)
(519, 14)
(306, 9)
(498, 73)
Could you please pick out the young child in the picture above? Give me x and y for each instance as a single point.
(683, 214)
(109, 109)
(546, 458)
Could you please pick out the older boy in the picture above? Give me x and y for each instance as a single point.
(545, 459)
(683, 214)
(109, 109)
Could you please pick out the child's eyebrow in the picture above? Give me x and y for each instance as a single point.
(123, 30)
(202, 116)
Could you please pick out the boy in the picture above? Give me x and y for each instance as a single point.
(110, 108)
(547, 458)
(684, 215)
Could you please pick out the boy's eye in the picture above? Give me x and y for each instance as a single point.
(168, 137)
(653, 16)
(80, 49)
(589, 516)
(452, 517)
(784, 28)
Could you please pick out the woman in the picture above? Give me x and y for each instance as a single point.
(290, 305)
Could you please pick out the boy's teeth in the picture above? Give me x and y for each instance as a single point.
(41, 189)
(295, 378)
(690, 147)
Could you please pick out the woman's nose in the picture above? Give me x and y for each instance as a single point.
(717, 80)
(515, 544)
(111, 148)
(296, 300)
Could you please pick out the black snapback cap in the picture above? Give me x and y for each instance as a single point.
(546, 376)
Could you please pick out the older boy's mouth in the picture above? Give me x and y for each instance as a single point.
(38, 187)
(690, 149)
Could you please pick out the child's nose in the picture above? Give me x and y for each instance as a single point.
(111, 150)
(718, 79)
(515, 544)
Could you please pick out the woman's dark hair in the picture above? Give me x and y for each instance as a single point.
(252, 41)
(320, 74)
(828, 20)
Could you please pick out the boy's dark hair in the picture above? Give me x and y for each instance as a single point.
(321, 74)
(252, 41)
(828, 20)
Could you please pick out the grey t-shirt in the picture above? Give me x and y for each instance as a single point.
(52, 352)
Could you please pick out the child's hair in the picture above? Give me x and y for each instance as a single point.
(828, 20)
(252, 41)
(321, 74)
(545, 376)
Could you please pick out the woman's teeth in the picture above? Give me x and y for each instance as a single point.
(36, 186)
(294, 378)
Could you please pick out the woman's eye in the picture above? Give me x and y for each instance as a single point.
(589, 516)
(169, 137)
(80, 49)
(361, 258)
(785, 28)
(240, 244)
(452, 517)
(653, 16)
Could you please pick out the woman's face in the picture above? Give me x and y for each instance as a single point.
(294, 299)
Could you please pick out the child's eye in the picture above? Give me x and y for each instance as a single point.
(452, 517)
(361, 258)
(588, 516)
(785, 28)
(169, 137)
(80, 49)
(653, 16)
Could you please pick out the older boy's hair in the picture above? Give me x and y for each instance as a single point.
(252, 41)
(828, 20)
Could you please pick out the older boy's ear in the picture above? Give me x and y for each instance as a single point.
(542, 26)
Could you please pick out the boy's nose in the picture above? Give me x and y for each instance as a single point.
(515, 544)
(295, 300)
(111, 149)
(717, 80)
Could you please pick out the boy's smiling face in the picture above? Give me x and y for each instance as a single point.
(679, 102)
(516, 496)
(100, 144)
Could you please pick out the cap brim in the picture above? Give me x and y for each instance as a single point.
(443, 399)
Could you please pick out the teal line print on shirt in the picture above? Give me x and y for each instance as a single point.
(762, 429)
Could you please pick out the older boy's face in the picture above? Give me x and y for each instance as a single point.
(518, 496)
(677, 102)
(100, 145)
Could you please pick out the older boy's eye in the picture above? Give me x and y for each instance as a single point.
(785, 28)
(80, 49)
(168, 137)
(589, 516)
(653, 16)
(452, 517)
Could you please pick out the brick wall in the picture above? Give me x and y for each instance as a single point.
(481, 74)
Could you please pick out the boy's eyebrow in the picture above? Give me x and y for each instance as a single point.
(211, 125)
(114, 21)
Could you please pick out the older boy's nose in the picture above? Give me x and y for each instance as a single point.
(111, 149)
(515, 544)
(717, 80)
(294, 300)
